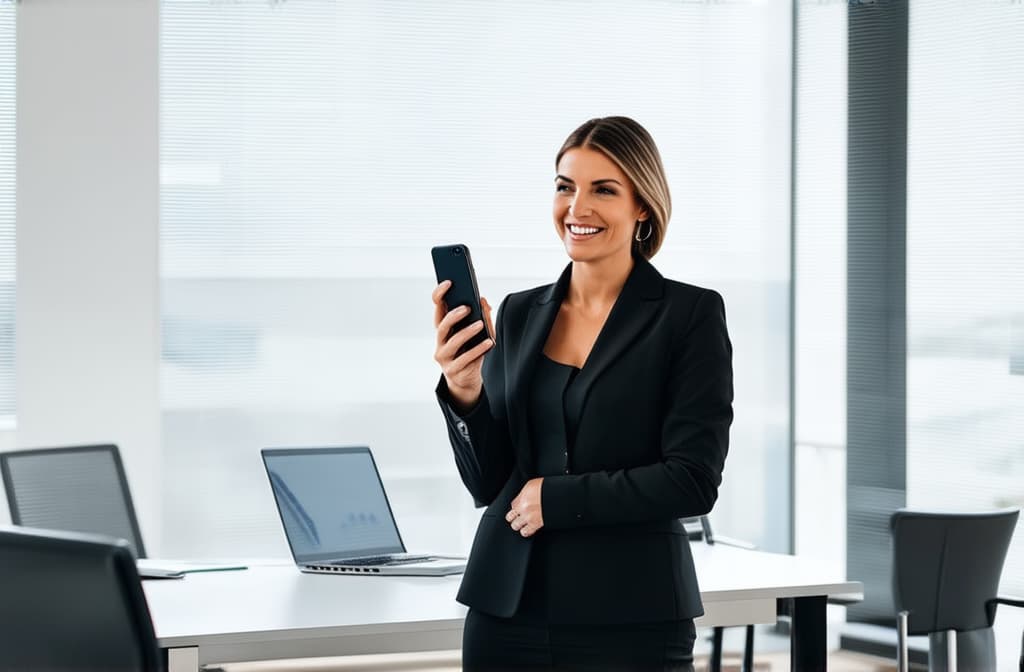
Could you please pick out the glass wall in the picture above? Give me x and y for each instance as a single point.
(965, 260)
(820, 281)
(312, 152)
(7, 260)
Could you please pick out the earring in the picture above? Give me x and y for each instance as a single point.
(640, 225)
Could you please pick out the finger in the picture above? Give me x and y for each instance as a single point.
(518, 523)
(469, 356)
(526, 531)
(437, 296)
(450, 348)
(487, 316)
(510, 516)
(448, 322)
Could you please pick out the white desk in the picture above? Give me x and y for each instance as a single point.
(272, 612)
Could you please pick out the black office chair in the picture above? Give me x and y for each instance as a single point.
(72, 601)
(946, 569)
(699, 529)
(76, 489)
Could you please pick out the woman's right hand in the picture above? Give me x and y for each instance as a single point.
(462, 373)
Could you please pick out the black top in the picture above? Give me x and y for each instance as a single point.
(552, 424)
(552, 430)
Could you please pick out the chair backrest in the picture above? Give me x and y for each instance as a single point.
(72, 601)
(946, 567)
(76, 489)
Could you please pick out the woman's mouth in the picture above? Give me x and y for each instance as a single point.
(580, 231)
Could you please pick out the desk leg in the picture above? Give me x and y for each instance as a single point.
(807, 635)
(184, 659)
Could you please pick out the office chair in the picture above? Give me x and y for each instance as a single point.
(72, 602)
(76, 489)
(946, 569)
(699, 529)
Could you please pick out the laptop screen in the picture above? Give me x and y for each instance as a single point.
(332, 503)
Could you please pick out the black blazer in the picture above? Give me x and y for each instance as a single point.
(655, 405)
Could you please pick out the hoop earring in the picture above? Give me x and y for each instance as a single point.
(640, 225)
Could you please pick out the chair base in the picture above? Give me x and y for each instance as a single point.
(880, 641)
(975, 650)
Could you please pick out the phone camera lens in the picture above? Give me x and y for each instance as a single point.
(457, 250)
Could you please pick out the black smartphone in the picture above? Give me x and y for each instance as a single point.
(454, 263)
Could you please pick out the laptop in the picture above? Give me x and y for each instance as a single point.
(337, 517)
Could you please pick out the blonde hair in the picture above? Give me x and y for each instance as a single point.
(632, 148)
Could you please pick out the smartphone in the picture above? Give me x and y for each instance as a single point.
(454, 263)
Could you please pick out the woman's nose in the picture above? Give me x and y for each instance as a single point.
(579, 207)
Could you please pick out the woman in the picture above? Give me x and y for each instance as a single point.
(596, 419)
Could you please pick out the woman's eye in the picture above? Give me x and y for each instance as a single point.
(561, 187)
(605, 190)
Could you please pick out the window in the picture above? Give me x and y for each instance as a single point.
(820, 242)
(312, 153)
(7, 260)
(965, 242)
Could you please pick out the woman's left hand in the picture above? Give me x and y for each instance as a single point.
(526, 516)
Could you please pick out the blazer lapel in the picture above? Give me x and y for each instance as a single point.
(632, 312)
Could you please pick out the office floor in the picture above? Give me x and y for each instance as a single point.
(772, 653)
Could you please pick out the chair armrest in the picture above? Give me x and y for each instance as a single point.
(1009, 601)
(990, 606)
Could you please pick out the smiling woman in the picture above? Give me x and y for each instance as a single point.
(597, 418)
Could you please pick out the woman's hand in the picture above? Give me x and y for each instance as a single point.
(461, 372)
(526, 516)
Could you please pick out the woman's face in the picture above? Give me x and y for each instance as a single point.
(595, 208)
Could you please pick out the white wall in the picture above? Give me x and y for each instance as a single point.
(87, 254)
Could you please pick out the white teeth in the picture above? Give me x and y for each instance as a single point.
(583, 230)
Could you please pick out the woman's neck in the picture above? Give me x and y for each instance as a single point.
(596, 284)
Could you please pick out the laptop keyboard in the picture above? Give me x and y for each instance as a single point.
(385, 560)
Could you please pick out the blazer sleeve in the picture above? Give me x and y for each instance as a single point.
(480, 437)
(695, 440)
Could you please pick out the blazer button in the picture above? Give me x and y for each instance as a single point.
(463, 429)
(567, 470)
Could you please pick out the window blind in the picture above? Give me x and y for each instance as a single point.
(7, 238)
(313, 151)
(965, 242)
(820, 280)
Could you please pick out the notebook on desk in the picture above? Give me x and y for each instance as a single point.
(337, 518)
(153, 568)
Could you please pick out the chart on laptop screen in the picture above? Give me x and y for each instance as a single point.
(332, 503)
